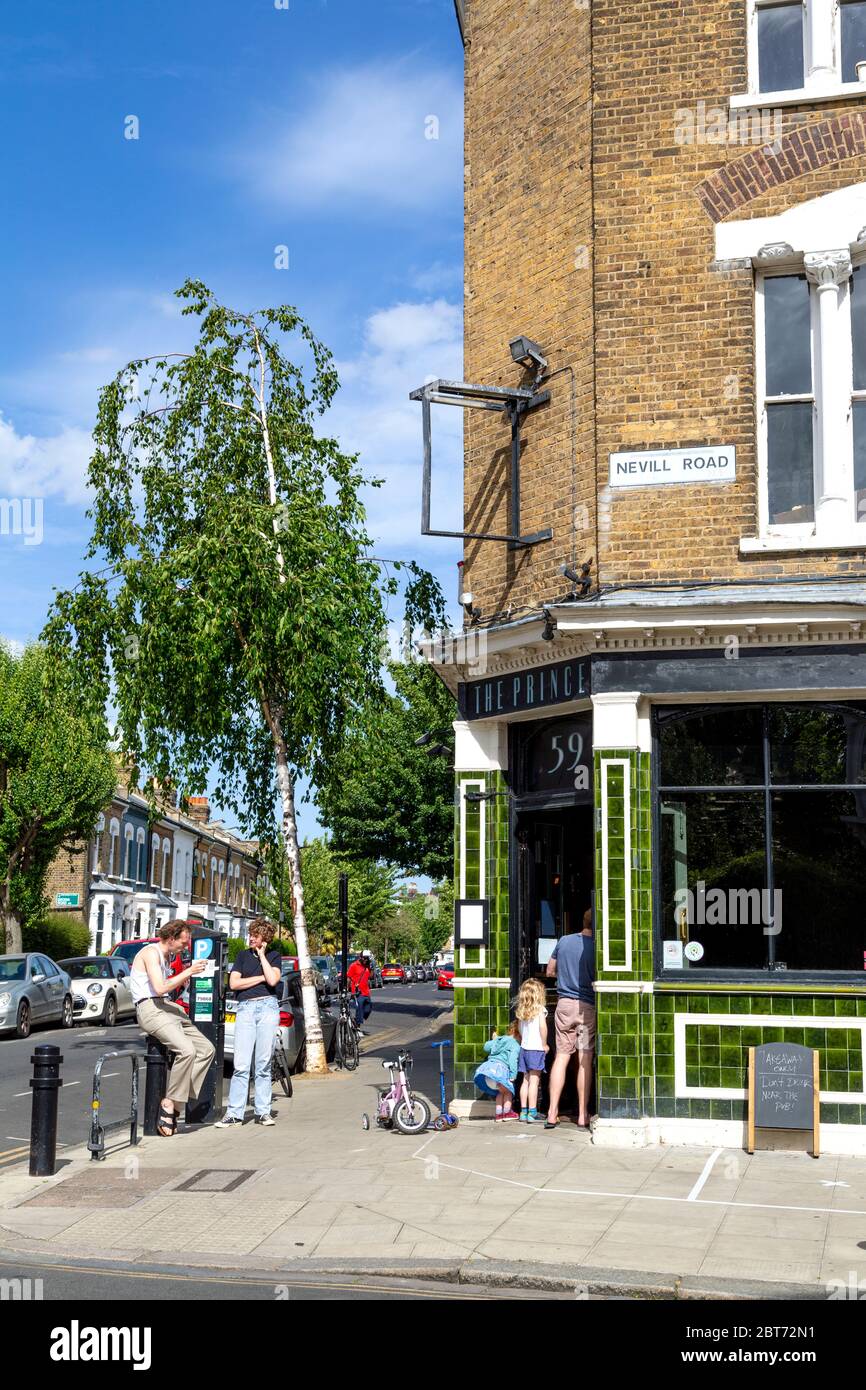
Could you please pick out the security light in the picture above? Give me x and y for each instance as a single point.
(423, 741)
(549, 626)
(527, 353)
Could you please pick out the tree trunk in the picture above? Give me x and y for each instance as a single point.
(315, 1043)
(12, 923)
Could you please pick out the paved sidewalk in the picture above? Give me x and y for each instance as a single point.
(319, 1189)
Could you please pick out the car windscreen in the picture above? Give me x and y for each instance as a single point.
(87, 969)
(129, 950)
(12, 969)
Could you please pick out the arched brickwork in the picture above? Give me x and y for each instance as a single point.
(807, 148)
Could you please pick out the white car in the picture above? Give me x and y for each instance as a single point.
(100, 988)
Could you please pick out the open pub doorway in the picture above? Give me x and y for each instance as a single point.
(555, 875)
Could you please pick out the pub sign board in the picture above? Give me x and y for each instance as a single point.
(784, 1089)
(525, 690)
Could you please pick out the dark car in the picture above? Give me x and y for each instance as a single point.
(329, 971)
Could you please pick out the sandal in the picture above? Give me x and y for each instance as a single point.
(166, 1121)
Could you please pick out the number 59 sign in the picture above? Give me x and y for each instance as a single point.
(559, 757)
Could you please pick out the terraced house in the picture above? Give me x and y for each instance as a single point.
(663, 686)
(139, 871)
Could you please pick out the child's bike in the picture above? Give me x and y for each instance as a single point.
(398, 1107)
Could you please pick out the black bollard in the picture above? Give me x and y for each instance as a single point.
(156, 1061)
(45, 1084)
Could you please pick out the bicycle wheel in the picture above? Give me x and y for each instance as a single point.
(349, 1044)
(280, 1071)
(412, 1115)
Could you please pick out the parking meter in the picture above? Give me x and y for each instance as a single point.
(207, 1012)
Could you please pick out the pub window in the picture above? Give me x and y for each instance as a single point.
(780, 44)
(761, 827)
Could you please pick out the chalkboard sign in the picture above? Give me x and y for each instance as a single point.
(783, 1090)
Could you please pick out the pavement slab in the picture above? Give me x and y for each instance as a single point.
(317, 1187)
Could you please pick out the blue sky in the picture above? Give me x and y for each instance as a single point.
(258, 127)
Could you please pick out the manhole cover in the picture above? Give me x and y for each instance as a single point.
(216, 1180)
(101, 1187)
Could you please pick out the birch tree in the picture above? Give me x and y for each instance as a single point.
(232, 614)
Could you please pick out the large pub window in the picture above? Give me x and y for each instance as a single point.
(761, 828)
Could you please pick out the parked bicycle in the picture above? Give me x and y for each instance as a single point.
(348, 1039)
(399, 1108)
(280, 1073)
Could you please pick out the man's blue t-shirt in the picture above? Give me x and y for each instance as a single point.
(575, 967)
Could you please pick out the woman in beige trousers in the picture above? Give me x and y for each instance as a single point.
(151, 981)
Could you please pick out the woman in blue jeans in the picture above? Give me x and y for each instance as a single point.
(256, 978)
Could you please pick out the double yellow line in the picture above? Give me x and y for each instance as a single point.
(10, 1156)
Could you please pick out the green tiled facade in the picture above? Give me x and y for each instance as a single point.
(481, 1010)
(637, 1059)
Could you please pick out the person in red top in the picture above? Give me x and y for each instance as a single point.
(358, 976)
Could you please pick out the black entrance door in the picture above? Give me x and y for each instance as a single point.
(555, 882)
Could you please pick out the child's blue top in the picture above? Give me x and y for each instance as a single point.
(505, 1049)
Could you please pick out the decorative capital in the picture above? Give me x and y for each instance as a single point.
(826, 268)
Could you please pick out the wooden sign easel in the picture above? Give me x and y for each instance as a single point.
(780, 1093)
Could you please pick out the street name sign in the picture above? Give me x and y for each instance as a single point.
(710, 463)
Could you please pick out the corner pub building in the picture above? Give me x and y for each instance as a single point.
(662, 690)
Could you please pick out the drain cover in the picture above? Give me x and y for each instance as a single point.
(216, 1180)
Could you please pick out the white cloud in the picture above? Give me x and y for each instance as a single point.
(363, 143)
(404, 346)
(44, 466)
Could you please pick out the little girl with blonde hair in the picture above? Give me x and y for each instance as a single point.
(531, 1016)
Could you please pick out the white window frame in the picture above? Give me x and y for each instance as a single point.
(762, 400)
(852, 533)
(822, 57)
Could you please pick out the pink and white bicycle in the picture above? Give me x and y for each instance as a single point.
(398, 1107)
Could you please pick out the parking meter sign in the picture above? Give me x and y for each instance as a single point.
(202, 949)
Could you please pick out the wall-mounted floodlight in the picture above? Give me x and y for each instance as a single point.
(549, 631)
(527, 353)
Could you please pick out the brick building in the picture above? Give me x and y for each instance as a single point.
(138, 872)
(668, 200)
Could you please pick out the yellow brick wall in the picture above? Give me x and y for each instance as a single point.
(590, 228)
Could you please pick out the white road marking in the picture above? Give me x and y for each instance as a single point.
(708, 1168)
(641, 1196)
(424, 1145)
(828, 1182)
(66, 1086)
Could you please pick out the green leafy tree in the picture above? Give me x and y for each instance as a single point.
(56, 775)
(371, 894)
(384, 799)
(237, 622)
(437, 920)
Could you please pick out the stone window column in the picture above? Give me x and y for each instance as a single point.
(829, 272)
(821, 70)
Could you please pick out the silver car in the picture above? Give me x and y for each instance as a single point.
(293, 1032)
(33, 991)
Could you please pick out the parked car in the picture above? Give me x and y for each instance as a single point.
(445, 978)
(409, 976)
(292, 1027)
(33, 990)
(429, 972)
(393, 973)
(330, 972)
(100, 988)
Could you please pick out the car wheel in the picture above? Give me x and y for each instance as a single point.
(22, 1022)
(301, 1059)
(67, 1018)
(109, 1017)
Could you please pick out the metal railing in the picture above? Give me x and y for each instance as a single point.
(98, 1131)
